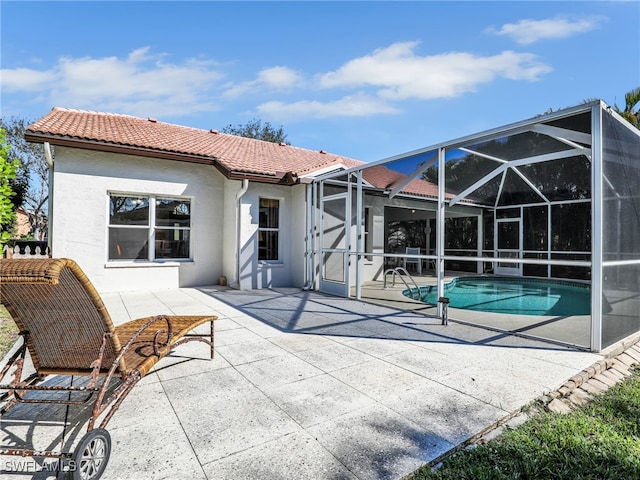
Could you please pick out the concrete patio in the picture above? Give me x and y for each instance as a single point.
(309, 386)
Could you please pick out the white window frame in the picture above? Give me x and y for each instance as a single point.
(151, 227)
(277, 230)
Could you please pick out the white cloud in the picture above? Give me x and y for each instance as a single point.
(144, 83)
(26, 79)
(278, 78)
(529, 31)
(141, 84)
(400, 74)
(359, 105)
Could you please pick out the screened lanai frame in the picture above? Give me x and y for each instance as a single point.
(591, 139)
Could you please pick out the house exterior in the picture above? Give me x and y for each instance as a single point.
(143, 204)
(23, 225)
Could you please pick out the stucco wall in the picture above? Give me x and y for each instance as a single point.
(299, 232)
(257, 274)
(231, 189)
(82, 181)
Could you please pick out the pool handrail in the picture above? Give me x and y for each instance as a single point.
(400, 271)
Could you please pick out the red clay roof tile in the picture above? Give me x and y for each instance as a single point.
(233, 153)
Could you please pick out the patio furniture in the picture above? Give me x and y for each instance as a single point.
(413, 260)
(67, 330)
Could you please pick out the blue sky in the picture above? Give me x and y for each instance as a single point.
(365, 80)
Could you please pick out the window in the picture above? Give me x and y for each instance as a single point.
(149, 227)
(269, 229)
(128, 228)
(172, 228)
(368, 236)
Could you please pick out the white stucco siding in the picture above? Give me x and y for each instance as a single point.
(83, 180)
(260, 274)
(229, 233)
(299, 233)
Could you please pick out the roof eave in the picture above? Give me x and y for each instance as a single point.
(280, 178)
(87, 144)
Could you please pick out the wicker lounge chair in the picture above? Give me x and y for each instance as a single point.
(67, 331)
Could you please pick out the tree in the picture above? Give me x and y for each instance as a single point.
(32, 180)
(256, 129)
(8, 171)
(631, 111)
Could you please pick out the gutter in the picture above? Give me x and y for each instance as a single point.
(280, 178)
(102, 146)
(239, 195)
(49, 158)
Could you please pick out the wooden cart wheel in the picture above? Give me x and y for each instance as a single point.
(92, 454)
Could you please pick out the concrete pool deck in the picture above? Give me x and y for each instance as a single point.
(570, 330)
(310, 386)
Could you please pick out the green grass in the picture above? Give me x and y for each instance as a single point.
(600, 440)
(8, 331)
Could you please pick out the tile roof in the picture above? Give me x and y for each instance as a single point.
(385, 178)
(230, 153)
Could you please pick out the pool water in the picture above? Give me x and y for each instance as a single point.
(517, 296)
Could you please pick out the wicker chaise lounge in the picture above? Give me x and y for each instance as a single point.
(67, 331)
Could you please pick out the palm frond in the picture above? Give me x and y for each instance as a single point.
(632, 98)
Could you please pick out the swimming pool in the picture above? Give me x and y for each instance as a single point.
(512, 295)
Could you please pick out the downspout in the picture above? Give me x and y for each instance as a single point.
(49, 158)
(239, 195)
(309, 243)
